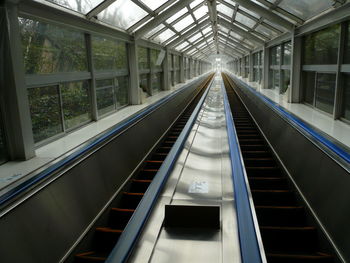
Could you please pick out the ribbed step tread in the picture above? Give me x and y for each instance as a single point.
(91, 256)
(299, 258)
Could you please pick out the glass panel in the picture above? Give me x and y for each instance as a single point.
(156, 83)
(122, 14)
(274, 76)
(325, 92)
(266, 31)
(347, 47)
(143, 58)
(176, 62)
(188, 20)
(164, 36)
(122, 91)
(182, 46)
(309, 86)
(346, 97)
(287, 50)
(76, 103)
(154, 30)
(3, 150)
(305, 9)
(200, 12)
(322, 47)
(50, 49)
(153, 4)
(108, 54)
(245, 20)
(195, 3)
(144, 83)
(225, 10)
(206, 30)
(275, 55)
(154, 59)
(105, 96)
(285, 81)
(177, 15)
(195, 37)
(45, 112)
(81, 6)
(248, 11)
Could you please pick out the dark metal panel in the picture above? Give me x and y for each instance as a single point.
(44, 227)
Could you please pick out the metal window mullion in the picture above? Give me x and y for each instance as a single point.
(61, 108)
(88, 41)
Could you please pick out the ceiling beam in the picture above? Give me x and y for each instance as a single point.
(239, 45)
(198, 43)
(213, 14)
(265, 13)
(98, 9)
(160, 18)
(240, 31)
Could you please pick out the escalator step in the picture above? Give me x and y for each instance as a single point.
(289, 239)
(255, 154)
(260, 162)
(118, 217)
(251, 141)
(130, 200)
(139, 185)
(280, 215)
(106, 238)
(267, 171)
(253, 147)
(147, 174)
(265, 183)
(152, 164)
(164, 149)
(300, 258)
(159, 156)
(90, 257)
(273, 197)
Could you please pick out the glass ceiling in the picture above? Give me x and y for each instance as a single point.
(240, 26)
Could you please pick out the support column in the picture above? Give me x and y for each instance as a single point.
(135, 97)
(166, 73)
(182, 69)
(295, 92)
(14, 98)
(251, 67)
(266, 64)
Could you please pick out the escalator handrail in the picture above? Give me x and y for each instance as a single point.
(132, 231)
(321, 141)
(248, 231)
(90, 145)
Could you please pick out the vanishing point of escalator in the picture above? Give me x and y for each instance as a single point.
(286, 235)
(106, 237)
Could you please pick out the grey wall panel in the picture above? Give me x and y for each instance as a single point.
(322, 181)
(44, 227)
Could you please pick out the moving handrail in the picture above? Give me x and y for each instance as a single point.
(92, 144)
(251, 246)
(334, 151)
(132, 231)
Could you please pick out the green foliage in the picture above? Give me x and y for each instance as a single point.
(143, 57)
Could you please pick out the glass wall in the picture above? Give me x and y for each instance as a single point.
(346, 97)
(279, 69)
(3, 149)
(62, 101)
(176, 69)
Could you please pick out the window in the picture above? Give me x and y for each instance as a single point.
(346, 97)
(287, 50)
(285, 81)
(156, 83)
(325, 92)
(45, 112)
(347, 48)
(275, 55)
(144, 83)
(122, 91)
(76, 103)
(49, 48)
(105, 96)
(156, 63)
(309, 86)
(143, 57)
(108, 54)
(321, 48)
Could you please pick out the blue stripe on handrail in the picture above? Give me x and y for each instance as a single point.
(299, 123)
(77, 154)
(249, 246)
(132, 231)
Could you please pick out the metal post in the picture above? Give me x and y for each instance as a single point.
(17, 119)
(166, 73)
(294, 95)
(182, 70)
(266, 64)
(134, 73)
(251, 67)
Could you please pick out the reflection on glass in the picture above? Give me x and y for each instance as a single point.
(49, 48)
(325, 92)
(275, 55)
(104, 96)
(45, 112)
(143, 58)
(309, 86)
(3, 150)
(347, 47)
(76, 103)
(144, 83)
(322, 47)
(122, 14)
(287, 50)
(81, 6)
(122, 91)
(274, 76)
(305, 9)
(285, 81)
(108, 54)
(156, 83)
(346, 97)
(154, 59)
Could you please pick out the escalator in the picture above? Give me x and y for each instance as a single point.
(106, 237)
(286, 233)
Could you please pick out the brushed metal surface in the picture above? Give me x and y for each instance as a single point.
(204, 164)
